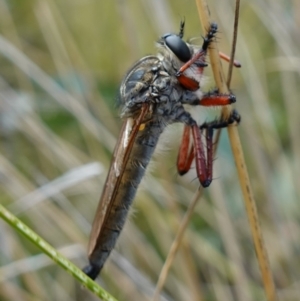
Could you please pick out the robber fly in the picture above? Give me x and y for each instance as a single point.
(152, 95)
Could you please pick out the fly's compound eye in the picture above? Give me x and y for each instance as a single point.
(178, 47)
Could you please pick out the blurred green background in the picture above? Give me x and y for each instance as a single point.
(61, 63)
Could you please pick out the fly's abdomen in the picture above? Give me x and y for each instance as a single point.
(131, 177)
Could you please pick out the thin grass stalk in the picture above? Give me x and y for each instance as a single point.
(176, 244)
(54, 255)
(240, 163)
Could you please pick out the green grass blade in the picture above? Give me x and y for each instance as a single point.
(54, 255)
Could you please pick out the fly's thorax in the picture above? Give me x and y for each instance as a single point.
(139, 77)
(148, 81)
(134, 89)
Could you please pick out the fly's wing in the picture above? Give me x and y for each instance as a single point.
(121, 154)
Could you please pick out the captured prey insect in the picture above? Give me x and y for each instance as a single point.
(152, 95)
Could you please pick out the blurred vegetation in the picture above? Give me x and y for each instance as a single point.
(61, 65)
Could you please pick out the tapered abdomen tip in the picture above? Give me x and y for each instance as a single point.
(91, 271)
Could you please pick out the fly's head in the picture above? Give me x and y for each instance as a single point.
(175, 53)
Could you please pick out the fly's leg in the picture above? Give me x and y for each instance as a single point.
(208, 128)
(213, 99)
(221, 122)
(203, 173)
(203, 161)
(203, 155)
(210, 99)
(185, 155)
(186, 152)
